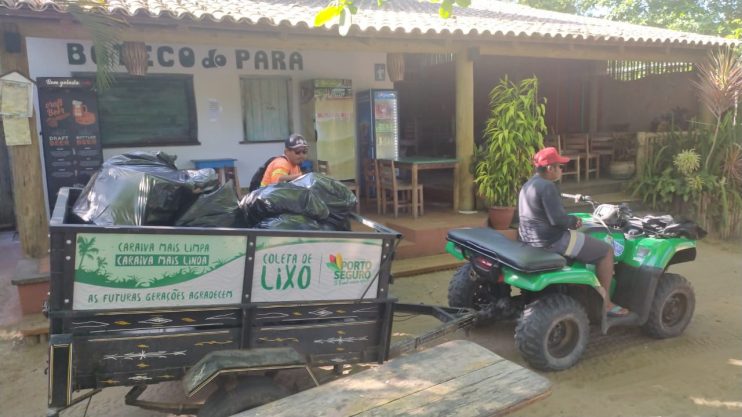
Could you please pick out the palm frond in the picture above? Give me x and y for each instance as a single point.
(105, 31)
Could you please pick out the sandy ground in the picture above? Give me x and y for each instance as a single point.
(622, 374)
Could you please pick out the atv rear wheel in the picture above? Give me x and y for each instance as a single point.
(468, 289)
(552, 332)
(672, 307)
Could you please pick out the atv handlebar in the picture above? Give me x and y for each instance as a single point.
(578, 198)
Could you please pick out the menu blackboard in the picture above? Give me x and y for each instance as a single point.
(69, 127)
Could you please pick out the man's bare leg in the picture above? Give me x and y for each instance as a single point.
(604, 271)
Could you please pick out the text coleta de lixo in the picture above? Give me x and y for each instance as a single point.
(168, 56)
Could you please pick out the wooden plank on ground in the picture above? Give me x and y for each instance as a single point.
(457, 378)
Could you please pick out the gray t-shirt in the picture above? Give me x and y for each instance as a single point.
(543, 220)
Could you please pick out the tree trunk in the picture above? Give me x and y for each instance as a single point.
(25, 166)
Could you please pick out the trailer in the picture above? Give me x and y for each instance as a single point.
(135, 306)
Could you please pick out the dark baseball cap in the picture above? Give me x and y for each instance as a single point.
(296, 141)
(548, 156)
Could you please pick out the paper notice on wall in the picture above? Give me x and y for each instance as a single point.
(214, 109)
(17, 131)
(16, 99)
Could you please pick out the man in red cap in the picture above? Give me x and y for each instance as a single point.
(544, 223)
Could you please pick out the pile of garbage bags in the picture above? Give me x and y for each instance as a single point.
(147, 189)
(314, 201)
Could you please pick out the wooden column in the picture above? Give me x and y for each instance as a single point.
(598, 68)
(464, 128)
(25, 167)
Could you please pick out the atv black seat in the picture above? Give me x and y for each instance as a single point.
(516, 255)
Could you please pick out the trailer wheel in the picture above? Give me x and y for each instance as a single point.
(249, 392)
(552, 332)
(672, 307)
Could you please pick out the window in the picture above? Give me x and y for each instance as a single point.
(266, 113)
(157, 110)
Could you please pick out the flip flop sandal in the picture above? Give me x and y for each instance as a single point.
(618, 311)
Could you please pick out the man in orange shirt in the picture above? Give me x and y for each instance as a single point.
(287, 166)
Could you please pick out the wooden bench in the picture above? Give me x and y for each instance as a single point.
(457, 378)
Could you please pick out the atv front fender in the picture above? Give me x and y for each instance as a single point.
(576, 274)
(659, 253)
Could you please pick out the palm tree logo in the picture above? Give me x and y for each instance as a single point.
(86, 249)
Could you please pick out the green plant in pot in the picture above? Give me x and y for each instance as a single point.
(514, 132)
(623, 164)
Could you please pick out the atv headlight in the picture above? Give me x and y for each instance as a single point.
(641, 253)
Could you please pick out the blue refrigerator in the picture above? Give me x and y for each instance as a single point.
(377, 124)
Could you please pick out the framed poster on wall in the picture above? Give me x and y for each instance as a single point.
(68, 109)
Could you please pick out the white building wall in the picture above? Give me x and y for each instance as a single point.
(219, 138)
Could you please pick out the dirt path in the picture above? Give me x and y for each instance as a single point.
(622, 374)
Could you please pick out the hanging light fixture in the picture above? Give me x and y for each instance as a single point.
(134, 57)
(395, 66)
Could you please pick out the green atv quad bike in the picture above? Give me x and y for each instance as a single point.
(557, 299)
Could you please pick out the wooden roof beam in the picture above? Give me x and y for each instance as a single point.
(594, 52)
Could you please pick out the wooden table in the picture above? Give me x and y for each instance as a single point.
(457, 378)
(421, 163)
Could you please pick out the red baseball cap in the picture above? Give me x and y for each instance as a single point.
(548, 156)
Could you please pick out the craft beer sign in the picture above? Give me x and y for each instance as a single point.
(304, 269)
(68, 109)
(136, 270)
(166, 56)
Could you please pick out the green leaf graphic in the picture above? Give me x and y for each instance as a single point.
(332, 266)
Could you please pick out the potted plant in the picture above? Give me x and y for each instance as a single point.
(623, 165)
(514, 132)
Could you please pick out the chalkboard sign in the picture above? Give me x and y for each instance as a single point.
(154, 110)
(69, 128)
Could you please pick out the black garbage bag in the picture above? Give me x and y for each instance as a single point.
(282, 198)
(139, 189)
(289, 221)
(338, 198)
(219, 208)
(336, 221)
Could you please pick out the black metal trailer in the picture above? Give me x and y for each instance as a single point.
(133, 306)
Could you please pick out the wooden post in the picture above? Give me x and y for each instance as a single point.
(464, 128)
(25, 167)
(598, 69)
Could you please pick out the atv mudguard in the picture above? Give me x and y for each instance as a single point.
(577, 274)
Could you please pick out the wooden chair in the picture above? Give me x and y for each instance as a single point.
(577, 144)
(552, 140)
(602, 145)
(323, 167)
(369, 173)
(395, 192)
(572, 167)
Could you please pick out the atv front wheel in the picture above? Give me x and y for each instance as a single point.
(552, 332)
(672, 307)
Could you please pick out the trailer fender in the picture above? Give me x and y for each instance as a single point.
(237, 361)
